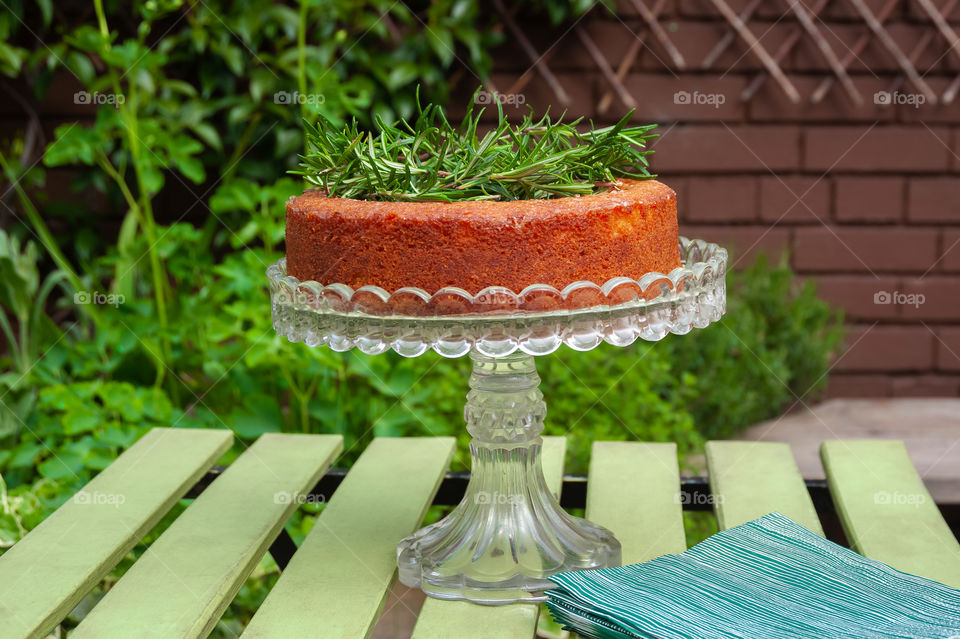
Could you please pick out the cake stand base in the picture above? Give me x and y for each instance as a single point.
(509, 533)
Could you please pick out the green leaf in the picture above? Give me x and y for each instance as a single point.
(25, 454)
(65, 465)
(192, 168)
(206, 132)
(441, 41)
(75, 422)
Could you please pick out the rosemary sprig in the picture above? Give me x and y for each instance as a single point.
(430, 160)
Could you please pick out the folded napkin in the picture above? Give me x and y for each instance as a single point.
(767, 579)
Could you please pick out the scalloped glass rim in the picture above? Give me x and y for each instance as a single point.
(498, 321)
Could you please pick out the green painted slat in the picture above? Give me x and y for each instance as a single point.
(464, 620)
(337, 582)
(752, 479)
(181, 585)
(633, 490)
(48, 572)
(886, 510)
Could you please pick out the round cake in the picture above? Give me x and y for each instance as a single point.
(626, 231)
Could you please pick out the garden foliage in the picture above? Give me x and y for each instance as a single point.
(121, 315)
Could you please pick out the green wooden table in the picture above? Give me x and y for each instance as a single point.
(336, 583)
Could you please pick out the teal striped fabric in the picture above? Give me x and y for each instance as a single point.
(767, 579)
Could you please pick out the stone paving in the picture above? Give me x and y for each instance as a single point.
(930, 428)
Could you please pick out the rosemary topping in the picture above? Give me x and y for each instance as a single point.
(430, 160)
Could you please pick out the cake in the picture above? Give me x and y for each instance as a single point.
(626, 231)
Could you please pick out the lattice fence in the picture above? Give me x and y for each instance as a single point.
(746, 34)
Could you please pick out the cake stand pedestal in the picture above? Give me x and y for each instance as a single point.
(509, 534)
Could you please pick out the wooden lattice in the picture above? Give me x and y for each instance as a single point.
(808, 23)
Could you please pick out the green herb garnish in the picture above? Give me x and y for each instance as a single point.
(430, 160)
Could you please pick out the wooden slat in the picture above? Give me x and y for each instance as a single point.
(464, 620)
(633, 490)
(181, 585)
(47, 573)
(338, 580)
(752, 479)
(886, 510)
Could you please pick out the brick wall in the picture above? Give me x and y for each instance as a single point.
(864, 199)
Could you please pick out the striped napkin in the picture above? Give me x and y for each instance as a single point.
(770, 578)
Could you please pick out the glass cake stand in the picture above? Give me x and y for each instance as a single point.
(509, 533)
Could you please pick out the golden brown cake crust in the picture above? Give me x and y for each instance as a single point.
(473, 245)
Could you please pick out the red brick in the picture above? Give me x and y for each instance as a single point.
(881, 148)
(839, 385)
(839, 36)
(870, 199)
(745, 243)
(663, 97)
(934, 199)
(624, 8)
(950, 251)
(955, 151)
(926, 386)
(794, 199)
(935, 298)
(856, 295)
(695, 39)
(887, 349)
(726, 199)
(846, 10)
(915, 11)
(718, 148)
(770, 103)
(874, 58)
(948, 349)
(580, 88)
(929, 113)
(934, 56)
(706, 9)
(680, 185)
(856, 249)
(612, 37)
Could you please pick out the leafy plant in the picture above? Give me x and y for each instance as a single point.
(432, 160)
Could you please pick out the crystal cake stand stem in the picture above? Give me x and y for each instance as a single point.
(509, 532)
